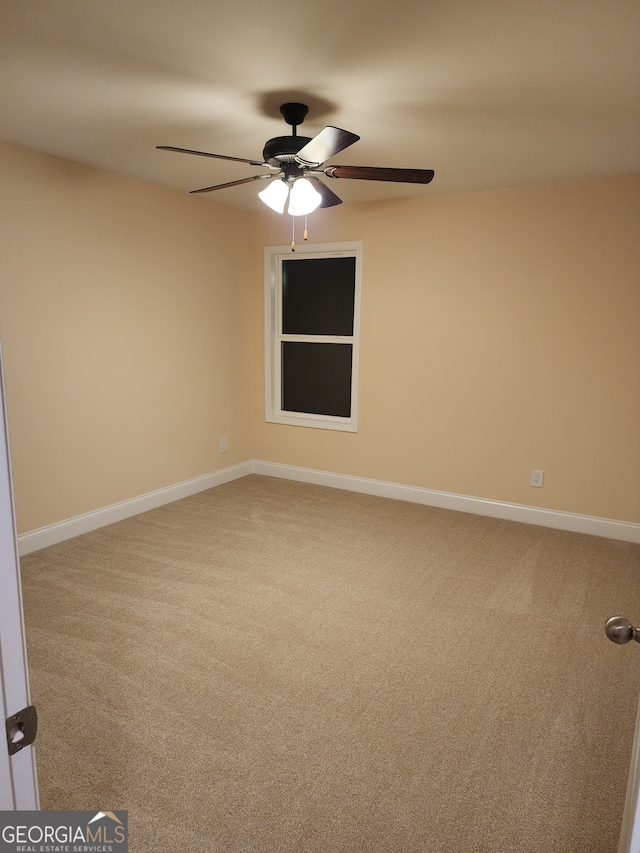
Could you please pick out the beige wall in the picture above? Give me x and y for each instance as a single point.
(119, 311)
(500, 333)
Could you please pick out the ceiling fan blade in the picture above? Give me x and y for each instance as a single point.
(324, 145)
(373, 173)
(234, 183)
(206, 154)
(329, 198)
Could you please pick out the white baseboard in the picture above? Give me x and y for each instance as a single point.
(54, 533)
(67, 529)
(609, 528)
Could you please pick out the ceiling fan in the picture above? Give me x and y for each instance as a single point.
(298, 161)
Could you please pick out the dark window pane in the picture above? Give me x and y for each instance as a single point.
(317, 296)
(316, 378)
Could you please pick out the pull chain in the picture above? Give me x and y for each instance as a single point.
(293, 232)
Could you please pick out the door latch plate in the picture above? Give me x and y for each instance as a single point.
(21, 729)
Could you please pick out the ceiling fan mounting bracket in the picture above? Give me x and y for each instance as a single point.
(294, 114)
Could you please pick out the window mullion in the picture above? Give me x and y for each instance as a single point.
(319, 339)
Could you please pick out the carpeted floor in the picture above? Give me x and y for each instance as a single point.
(270, 667)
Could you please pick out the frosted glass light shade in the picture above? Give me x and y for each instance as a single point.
(304, 198)
(275, 195)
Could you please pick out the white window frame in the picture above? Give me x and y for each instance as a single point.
(273, 258)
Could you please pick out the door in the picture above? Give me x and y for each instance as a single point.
(18, 779)
(620, 630)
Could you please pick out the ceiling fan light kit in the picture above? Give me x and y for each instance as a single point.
(303, 197)
(295, 161)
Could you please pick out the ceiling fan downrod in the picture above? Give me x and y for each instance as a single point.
(294, 114)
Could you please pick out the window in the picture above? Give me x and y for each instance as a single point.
(312, 314)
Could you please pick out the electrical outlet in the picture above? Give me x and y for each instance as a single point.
(223, 445)
(536, 478)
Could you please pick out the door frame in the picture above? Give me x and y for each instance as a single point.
(630, 831)
(18, 775)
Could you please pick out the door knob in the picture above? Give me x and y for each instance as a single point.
(620, 630)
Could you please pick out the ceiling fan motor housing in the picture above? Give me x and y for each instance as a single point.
(283, 149)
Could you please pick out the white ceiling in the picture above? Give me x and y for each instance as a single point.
(489, 93)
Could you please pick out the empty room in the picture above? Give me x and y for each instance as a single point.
(321, 349)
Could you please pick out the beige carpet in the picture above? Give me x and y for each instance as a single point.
(272, 666)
